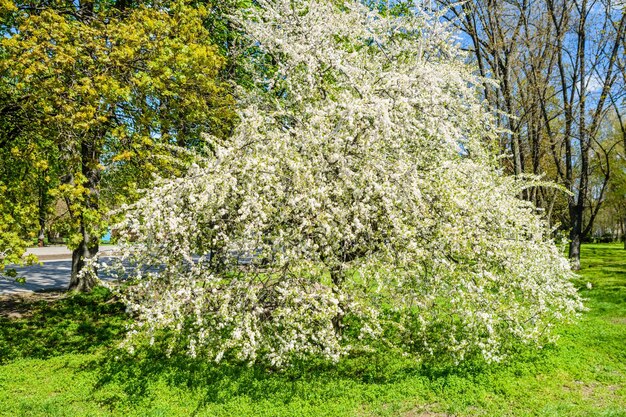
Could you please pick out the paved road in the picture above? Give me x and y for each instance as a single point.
(53, 274)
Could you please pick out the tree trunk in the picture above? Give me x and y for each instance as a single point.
(42, 224)
(574, 252)
(41, 236)
(88, 247)
(575, 236)
(42, 207)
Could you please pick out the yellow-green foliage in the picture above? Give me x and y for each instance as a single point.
(87, 74)
(111, 89)
(24, 174)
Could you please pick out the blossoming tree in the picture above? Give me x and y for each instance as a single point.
(355, 206)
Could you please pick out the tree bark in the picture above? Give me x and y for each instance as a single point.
(574, 250)
(575, 236)
(86, 249)
(42, 207)
(89, 245)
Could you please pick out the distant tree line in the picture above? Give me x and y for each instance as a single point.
(561, 76)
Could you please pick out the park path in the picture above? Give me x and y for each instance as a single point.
(52, 275)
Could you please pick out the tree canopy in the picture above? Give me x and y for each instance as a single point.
(356, 205)
(111, 88)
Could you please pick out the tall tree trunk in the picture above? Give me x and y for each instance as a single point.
(575, 236)
(577, 202)
(42, 208)
(88, 247)
(589, 131)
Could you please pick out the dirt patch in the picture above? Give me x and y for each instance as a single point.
(425, 412)
(419, 413)
(17, 306)
(588, 390)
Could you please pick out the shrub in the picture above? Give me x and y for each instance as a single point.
(356, 205)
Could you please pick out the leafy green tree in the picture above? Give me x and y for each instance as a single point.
(610, 206)
(115, 87)
(27, 173)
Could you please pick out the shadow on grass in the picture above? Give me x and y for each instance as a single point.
(90, 323)
(143, 376)
(93, 323)
(40, 327)
(595, 339)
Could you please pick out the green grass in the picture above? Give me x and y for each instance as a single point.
(59, 360)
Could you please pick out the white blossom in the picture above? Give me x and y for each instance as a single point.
(344, 189)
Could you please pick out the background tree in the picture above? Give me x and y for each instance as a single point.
(27, 173)
(113, 86)
(556, 73)
(610, 223)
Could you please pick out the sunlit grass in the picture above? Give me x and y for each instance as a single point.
(60, 360)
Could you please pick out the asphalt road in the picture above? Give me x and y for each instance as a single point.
(52, 274)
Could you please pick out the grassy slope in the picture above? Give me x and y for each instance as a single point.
(57, 362)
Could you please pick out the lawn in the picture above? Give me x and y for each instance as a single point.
(57, 358)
